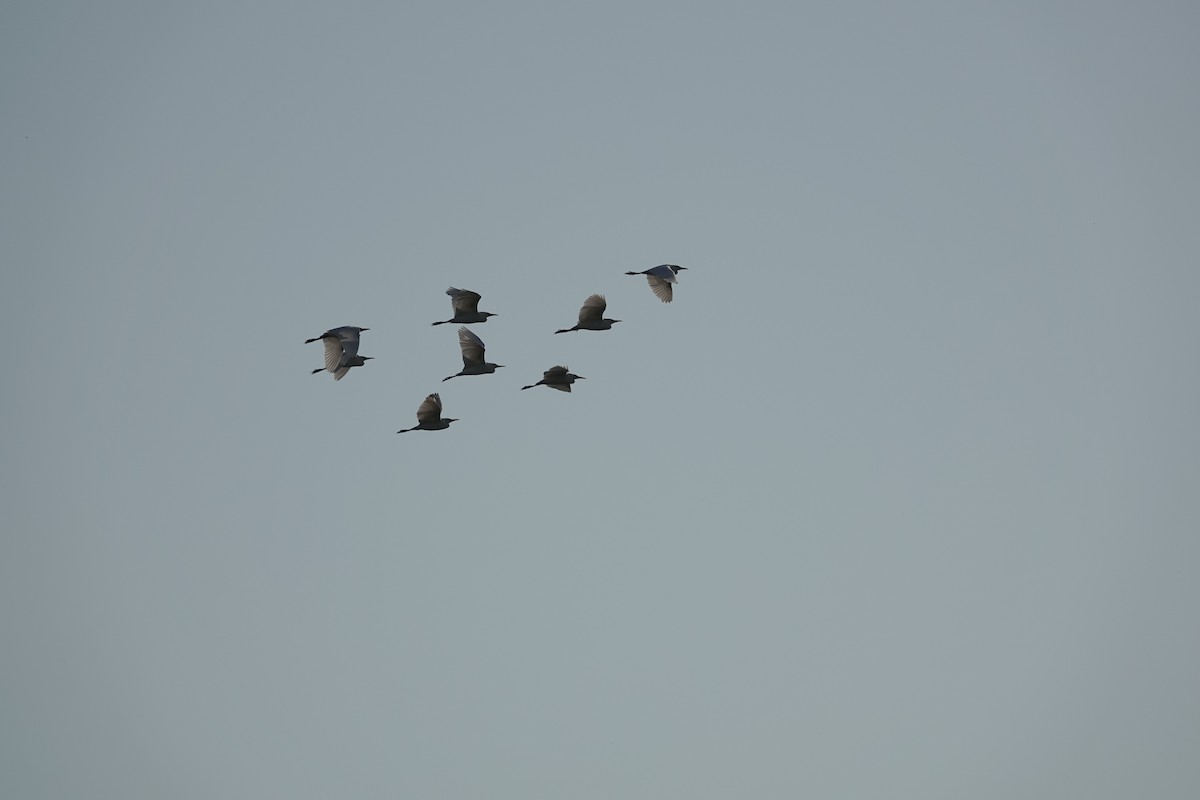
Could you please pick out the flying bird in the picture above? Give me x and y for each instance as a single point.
(660, 279)
(429, 416)
(557, 378)
(466, 307)
(341, 350)
(591, 316)
(472, 356)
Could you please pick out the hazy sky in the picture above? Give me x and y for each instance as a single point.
(900, 498)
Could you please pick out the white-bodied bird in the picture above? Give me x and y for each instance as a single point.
(472, 356)
(660, 279)
(466, 307)
(591, 316)
(341, 350)
(557, 378)
(429, 416)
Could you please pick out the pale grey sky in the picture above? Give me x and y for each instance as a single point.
(899, 498)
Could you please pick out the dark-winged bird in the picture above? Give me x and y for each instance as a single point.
(429, 416)
(591, 316)
(557, 378)
(466, 307)
(472, 356)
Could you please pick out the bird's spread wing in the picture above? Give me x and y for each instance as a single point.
(555, 372)
(593, 308)
(431, 409)
(660, 286)
(463, 301)
(333, 353)
(472, 347)
(562, 387)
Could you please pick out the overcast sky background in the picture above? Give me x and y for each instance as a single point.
(899, 498)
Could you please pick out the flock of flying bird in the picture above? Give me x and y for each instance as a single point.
(341, 344)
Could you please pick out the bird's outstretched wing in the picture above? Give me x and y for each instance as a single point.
(593, 308)
(430, 409)
(472, 347)
(661, 287)
(463, 301)
(333, 354)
